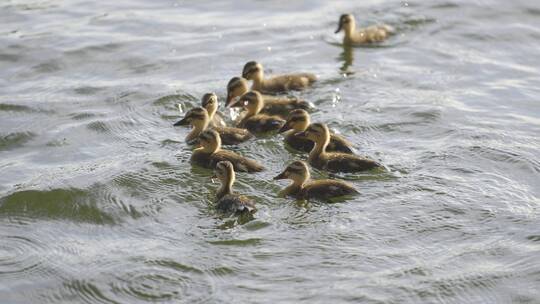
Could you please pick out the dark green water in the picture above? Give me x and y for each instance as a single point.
(99, 204)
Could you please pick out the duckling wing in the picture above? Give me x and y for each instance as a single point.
(377, 33)
(234, 203)
(327, 188)
(283, 105)
(233, 136)
(202, 159)
(300, 143)
(240, 163)
(284, 83)
(218, 121)
(264, 123)
(341, 162)
(339, 144)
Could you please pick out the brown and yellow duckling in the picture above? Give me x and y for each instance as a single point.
(298, 121)
(278, 84)
(210, 153)
(209, 101)
(303, 188)
(353, 36)
(333, 161)
(238, 86)
(226, 200)
(253, 120)
(198, 117)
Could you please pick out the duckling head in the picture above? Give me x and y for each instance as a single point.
(347, 23)
(252, 102)
(225, 173)
(297, 171)
(209, 101)
(197, 117)
(298, 120)
(209, 141)
(253, 70)
(316, 132)
(237, 86)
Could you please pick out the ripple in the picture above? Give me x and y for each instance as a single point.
(72, 204)
(15, 140)
(20, 257)
(239, 243)
(164, 281)
(15, 108)
(87, 291)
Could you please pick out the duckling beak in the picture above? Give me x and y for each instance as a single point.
(282, 175)
(244, 74)
(285, 127)
(229, 99)
(339, 28)
(183, 122)
(301, 134)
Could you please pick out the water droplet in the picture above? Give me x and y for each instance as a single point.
(336, 97)
(269, 48)
(180, 108)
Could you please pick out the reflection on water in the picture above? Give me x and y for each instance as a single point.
(347, 56)
(98, 201)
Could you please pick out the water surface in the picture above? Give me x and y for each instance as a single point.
(99, 204)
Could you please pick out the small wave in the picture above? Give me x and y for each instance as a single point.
(164, 281)
(15, 140)
(72, 204)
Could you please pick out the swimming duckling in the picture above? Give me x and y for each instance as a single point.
(277, 84)
(209, 101)
(298, 121)
(198, 117)
(253, 120)
(371, 34)
(238, 86)
(226, 200)
(333, 161)
(303, 188)
(210, 153)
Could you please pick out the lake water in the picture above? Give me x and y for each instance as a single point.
(99, 203)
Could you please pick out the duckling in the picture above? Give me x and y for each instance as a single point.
(210, 153)
(333, 161)
(209, 101)
(253, 120)
(198, 117)
(277, 84)
(303, 188)
(298, 121)
(371, 34)
(273, 105)
(226, 200)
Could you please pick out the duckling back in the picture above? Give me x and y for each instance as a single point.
(235, 204)
(325, 189)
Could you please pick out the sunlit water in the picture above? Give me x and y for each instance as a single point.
(98, 201)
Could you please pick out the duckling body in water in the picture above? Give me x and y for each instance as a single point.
(333, 161)
(353, 36)
(209, 101)
(278, 84)
(298, 121)
(253, 120)
(303, 188)
(210, 153)
(273, 105)
(198, 117)
(226, 200)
